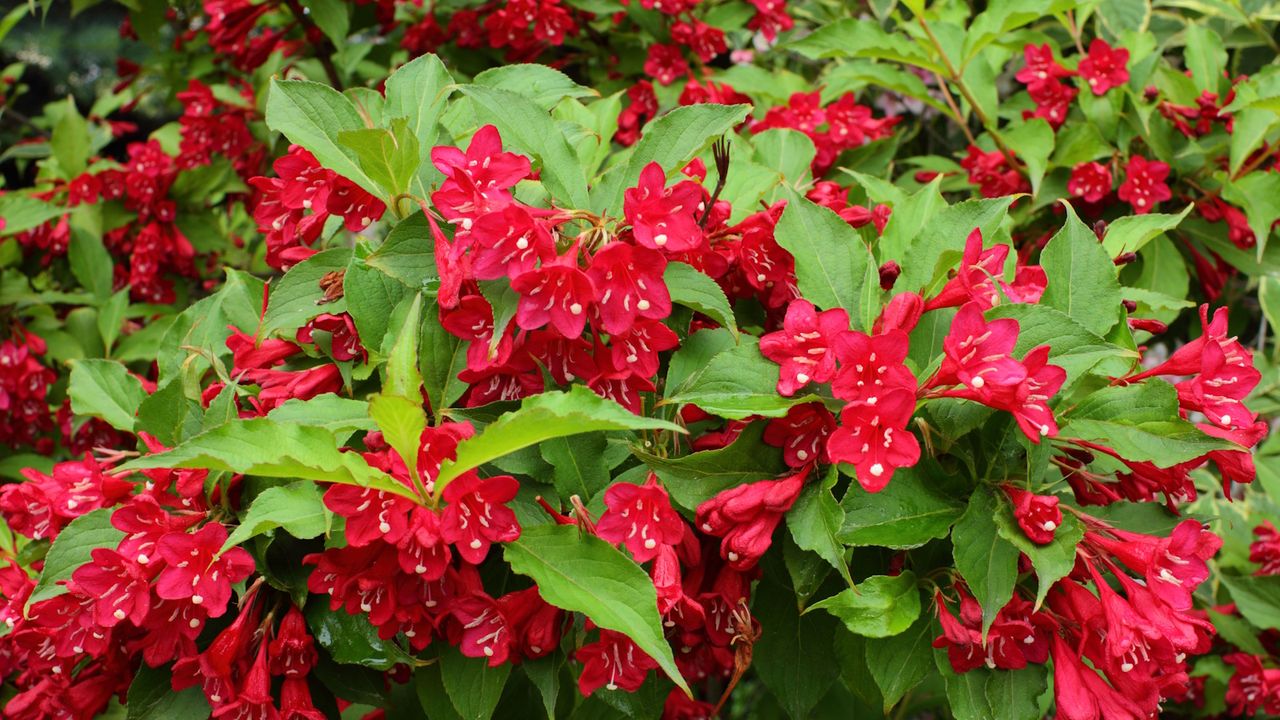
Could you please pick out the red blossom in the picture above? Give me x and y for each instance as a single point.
(1144, 184)
(640, 517)
(1104, 68)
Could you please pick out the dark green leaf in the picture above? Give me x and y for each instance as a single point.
(151, 697)
(72, 548)
(579, 464)
(988, 562)
(351, 639)
(697, 477)
(700, 293)
(296, 508)
(1082, 277)
(831, 260)
(908, 513)
(900, 662)
(793, 655)
(105, 389)
(473, 687)
(815, 520)
(737, 383)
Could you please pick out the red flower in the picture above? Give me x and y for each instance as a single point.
(1080, 694)
(980, 270)
(1041, 66)
(706, 41)
(293, 652)
(977, 353)
(507, 242)
(1266, 549)
(295, 701)
(479, 179)
(665, 63)
(477, 514)
(1037, 515)
(1017, 637)
(557, 293)
(664, 218)
(637, 349)
(771, 18)
(871, 365)
(1144, 184)
(1252, 687)
(802, 433)
(371, 514)
(612, 662)
(1104, 68)
(1090, 181)
(641, 517)
(1053, 101)
(119, 587)
(803, 348)
(744, 517)
(485, 632)
(629, 285)
(874, 438)
(990, 171)
(195, 567)
(422, 551)
(1173, 566)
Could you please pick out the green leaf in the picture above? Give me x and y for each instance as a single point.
(90, 262)
(204, 325)
(1250, 128)
(151, 697)
(331, 17)
(582, 573)
(671, 141)
(579, 464)
(21, 213)
(1051, 562)
(441, 356)
(72, 548)
(1033, 140)
(407, 254)
(265, 447)
(815, 520)
(793, 655)
(1015, 694)
(831, 260)
(1004, 16)
(790, 152)
(908, 513)
(848, 37)
(314, 115)
(169, 415)
(402, 376)
(1131, 232)
(966, 692)
(697, 477)
(543, 417)
(1071, 346)
(1258, 194)
(340, 416)
(105, 389)
(1082, 277)
(1205, 56)
(545, 86)
(700, 293)
(389, 158)
(1163, 442)
(296, 508)
(882, 605)
(988, 562)
(372, 300)
(918, 240)
(900, 662)
(111, 318)
(473, 687)
(352, 639)
(527, 128)
(1258, 598)
(737, 383)
(70, 142)
(417, 91)
(294, 298)
(402, 422)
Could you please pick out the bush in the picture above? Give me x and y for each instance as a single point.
(658, 359)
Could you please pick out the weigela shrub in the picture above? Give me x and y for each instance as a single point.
(660, 359)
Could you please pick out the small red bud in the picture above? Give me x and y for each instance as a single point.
(1151, 325)
(1125, 258)
(1129, 305)
(889, 273)
(1100, 229)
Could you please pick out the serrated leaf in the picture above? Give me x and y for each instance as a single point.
(988, 562)
(543, 417)
(882, 605)
(473, 687)
(264, 447)
(105, 389)
(900, 662)
(417, 91)
(72, 548)
(700, 293)
(1082, 277)
(737, 383)
(830, 258)
(1131, 232)
(816, 519)
(908, 513)
(296, 508)
(293, 299)
(582, 573)
(313, 115)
